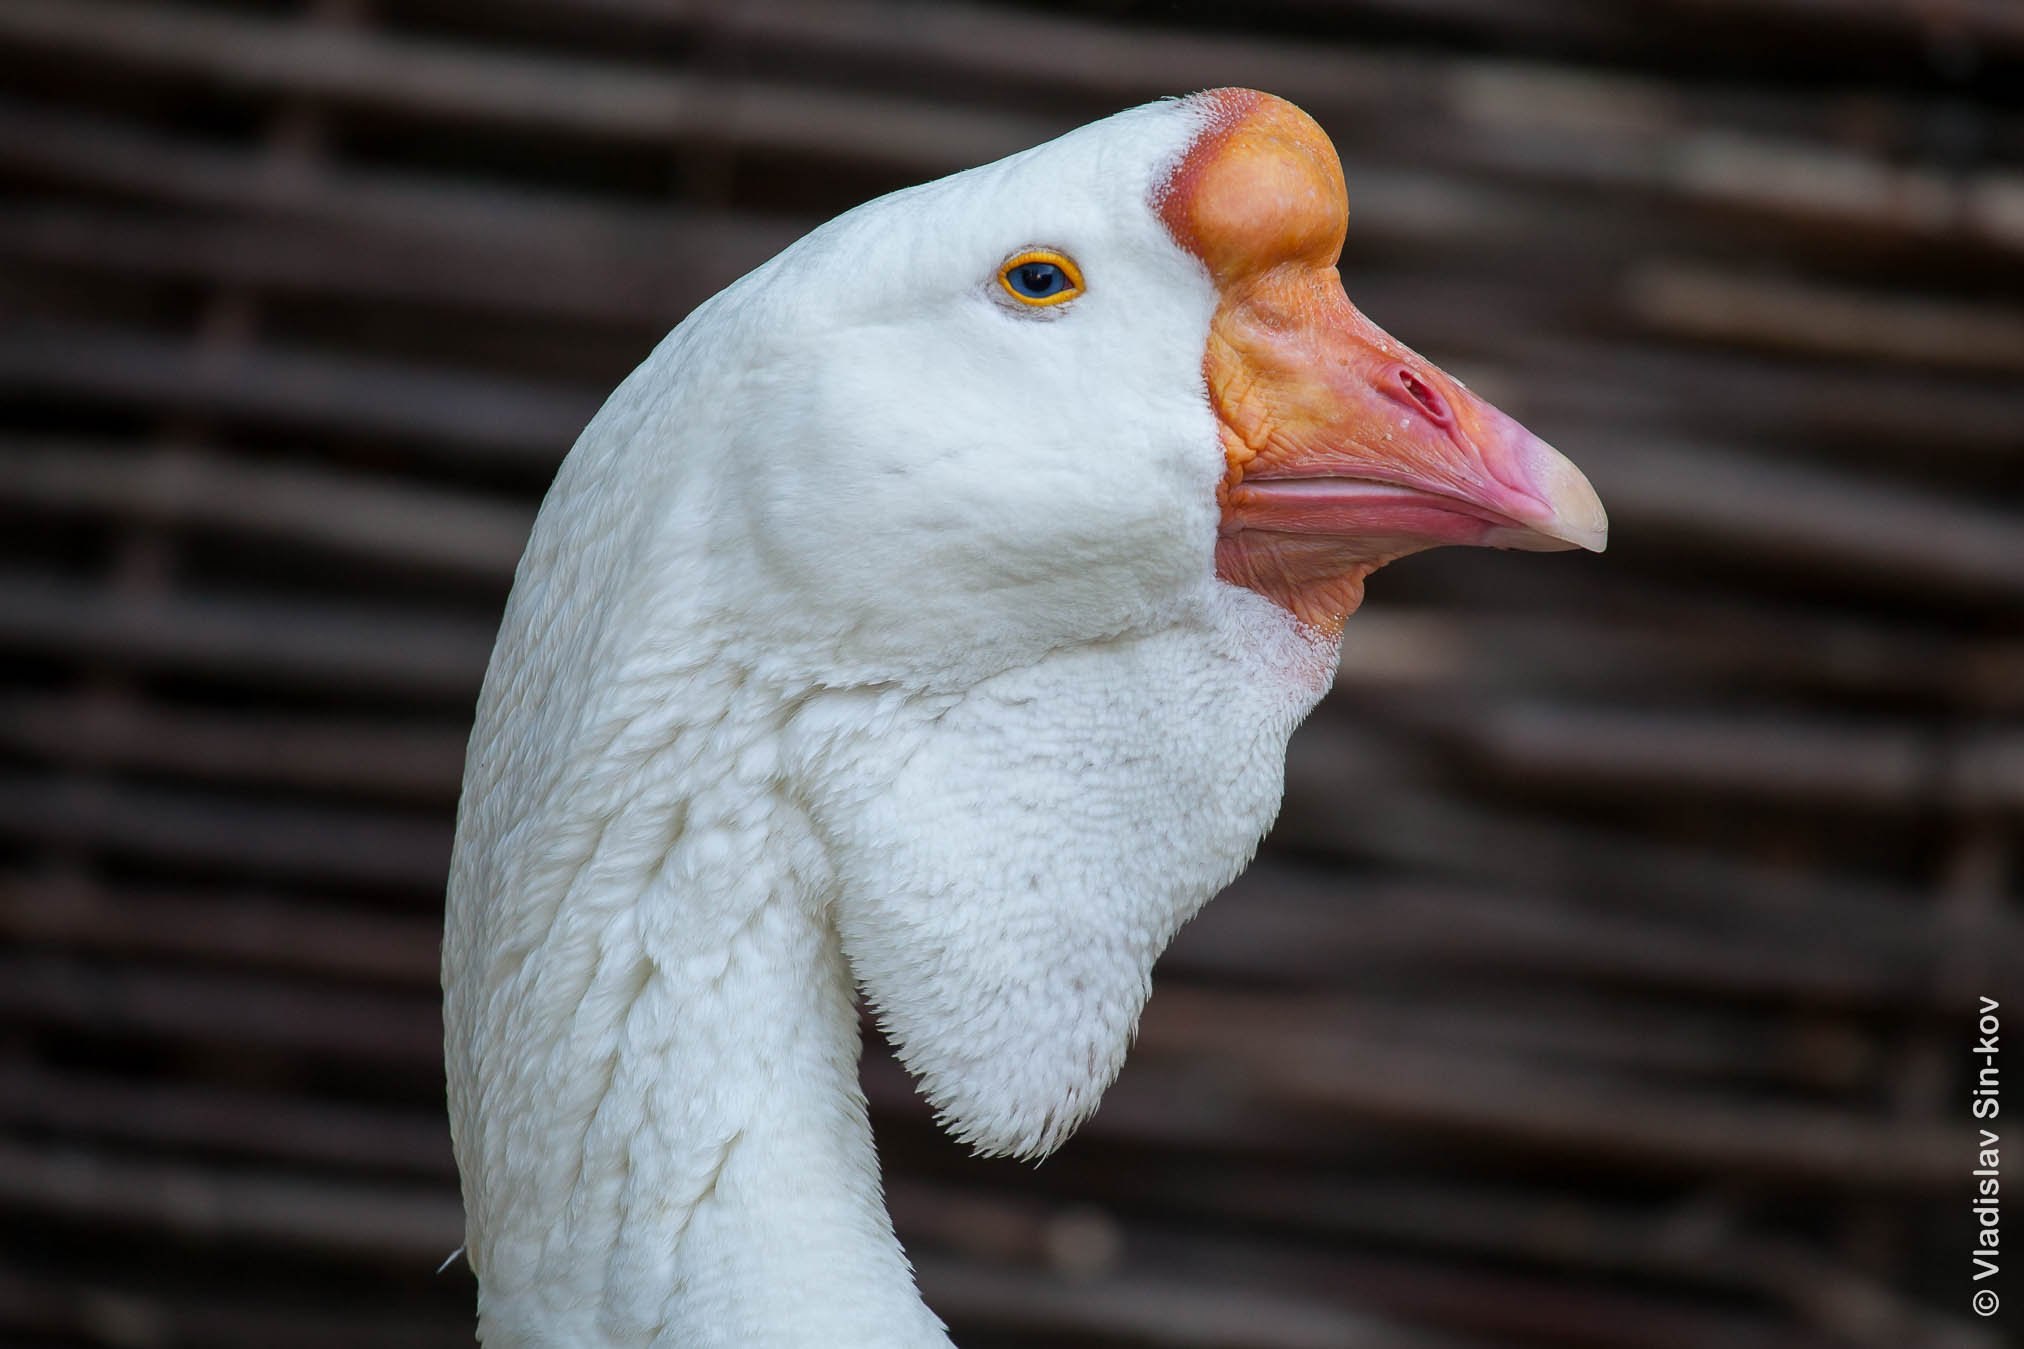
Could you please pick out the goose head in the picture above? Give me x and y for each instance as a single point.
(1078, 392)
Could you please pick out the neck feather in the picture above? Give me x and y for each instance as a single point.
(653, 1054)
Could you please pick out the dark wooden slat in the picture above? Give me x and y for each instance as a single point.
(1971, 21)
(1917, 421)
(274, 932)
(506, 261)
(1286, 926)
(967, 30)
(541, 94)
(264, 1126)
(380, 1222)
(1170, 1310)
(1711, 304)
(352, 846)
(511, 421)
(103, 1311)
(1465, 1095)
(1668, 646)
(1795, 514)
(1403, 824)
(398, 761)
(327, 647)
(1823, 765)
(1505, 1309)
(377, 519)
(51, 146)
(380, 1028)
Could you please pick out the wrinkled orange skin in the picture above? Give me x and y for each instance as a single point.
(1302, 384)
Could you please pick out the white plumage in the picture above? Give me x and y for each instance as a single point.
(871, 636)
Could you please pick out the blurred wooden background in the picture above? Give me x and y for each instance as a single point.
(1609, 980)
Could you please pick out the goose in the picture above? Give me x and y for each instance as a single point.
(924, 620)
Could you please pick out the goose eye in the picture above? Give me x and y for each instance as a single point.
(1040, 277)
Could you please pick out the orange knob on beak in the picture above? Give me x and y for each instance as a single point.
(1345, 449)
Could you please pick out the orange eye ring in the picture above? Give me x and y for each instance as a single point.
(1040, 277)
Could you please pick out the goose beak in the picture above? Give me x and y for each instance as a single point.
(1344, 448)
(1333, 428)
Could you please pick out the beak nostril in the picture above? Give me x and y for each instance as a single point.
(1425, 397)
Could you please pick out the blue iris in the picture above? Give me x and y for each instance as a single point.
(1038, 280)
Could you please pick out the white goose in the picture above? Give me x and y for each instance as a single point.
(926, 616)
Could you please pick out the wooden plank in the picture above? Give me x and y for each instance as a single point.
(239, 641)
(1976, 769)
(394, 760)
(546, 95)
(1799, 516)
(1669, 644)
(104, 1310)
(378, 1222)
(1610, 1123)
(1508, 1308)
(392, 1032)
(266, 1126)
(1292, 927)
(516, 424)
(1919, 422)
(1170, 1311)
(338, 844)
(1689, 27)
(102, 155)
(376, 518)
(234, 925)
(1974, 21)
(1800, 32)
(1400, 823)
(506, 264)
(1777, 313)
